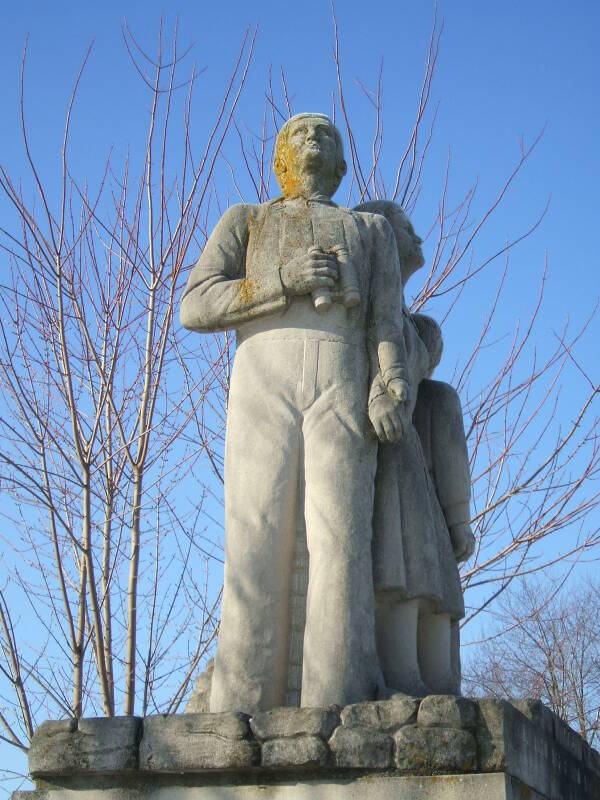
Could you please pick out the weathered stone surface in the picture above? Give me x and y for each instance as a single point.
(447, 711)
(361, 748)
(91, 745)
(299, 752)
(537, 712)
(196, 753)
(507, 740)
(591, 759)
(427, 751)
(364, 787)
(385, 715)
(566, 737)
(197, 742)
(280, 722)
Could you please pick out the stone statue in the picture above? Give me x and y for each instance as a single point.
(314, 292)
(421, 515)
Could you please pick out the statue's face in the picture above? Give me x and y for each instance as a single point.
(409, 245)
(312, 147)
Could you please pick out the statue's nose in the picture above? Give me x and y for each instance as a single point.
(311, 134)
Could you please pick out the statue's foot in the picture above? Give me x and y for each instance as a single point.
(410, 686)
(445, 685)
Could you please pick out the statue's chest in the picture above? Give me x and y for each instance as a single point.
(284, 231)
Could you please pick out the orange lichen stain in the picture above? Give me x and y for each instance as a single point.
(247, 290)
(526, 792)
(289, 181)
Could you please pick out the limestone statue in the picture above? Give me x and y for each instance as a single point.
(421, 516)
(314, 292)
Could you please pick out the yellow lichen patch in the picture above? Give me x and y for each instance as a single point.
(247, 290)
(289, 181)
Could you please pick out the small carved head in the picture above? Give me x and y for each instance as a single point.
(410, 252)
(327, 153)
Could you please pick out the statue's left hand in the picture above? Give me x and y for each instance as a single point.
(387, 419)
(463, 541)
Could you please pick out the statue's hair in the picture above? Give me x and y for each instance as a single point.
(430, 334)
(282, 152)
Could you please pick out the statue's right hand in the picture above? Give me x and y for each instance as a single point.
(313, 270)
(387, 418)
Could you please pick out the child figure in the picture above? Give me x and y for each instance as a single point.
(421, 513)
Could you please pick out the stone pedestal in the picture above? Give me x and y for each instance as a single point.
(438, 748)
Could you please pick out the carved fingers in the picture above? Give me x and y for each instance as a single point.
(463, 541)
(398, 388)
(313, 270)
(387, 418)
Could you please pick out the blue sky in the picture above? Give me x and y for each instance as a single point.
(505, 70)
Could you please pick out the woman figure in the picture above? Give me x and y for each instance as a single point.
(421, 513)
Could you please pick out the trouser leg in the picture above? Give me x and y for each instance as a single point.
(261, 473)
(340, 661)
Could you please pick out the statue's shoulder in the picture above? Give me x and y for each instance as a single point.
(375, 223)
(239, 213)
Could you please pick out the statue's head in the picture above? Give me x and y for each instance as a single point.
(309, 145)
(410, 252)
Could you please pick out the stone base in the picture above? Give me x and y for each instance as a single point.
(437, 748)
(495, 786)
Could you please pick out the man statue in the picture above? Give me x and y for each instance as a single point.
(314, 293)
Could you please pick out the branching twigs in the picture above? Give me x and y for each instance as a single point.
(545, 645)
(91, 426)
(10, 656)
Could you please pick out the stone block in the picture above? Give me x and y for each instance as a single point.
(568, 739)
(447, 711)
(372, 786)
(281, 722)
(198, 742)
(384, 715)
(301, 752)
(99, 745)
(361, 748)
(591, 759)
(537, 712)
(507, 740)
(434, 751)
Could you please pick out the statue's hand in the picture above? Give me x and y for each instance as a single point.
(387, 418)
(398, 388)
(463, 541)
(313, 270)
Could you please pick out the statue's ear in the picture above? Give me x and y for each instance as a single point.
(343, 168)
(279, 168)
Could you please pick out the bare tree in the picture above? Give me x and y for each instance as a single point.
(545, 645)
(104, 416)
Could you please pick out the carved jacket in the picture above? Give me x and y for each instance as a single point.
(237, 278)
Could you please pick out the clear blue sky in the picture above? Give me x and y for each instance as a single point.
(505, 69)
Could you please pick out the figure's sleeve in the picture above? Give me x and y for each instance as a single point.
(386, 312)
(218, 295)
(438, 419)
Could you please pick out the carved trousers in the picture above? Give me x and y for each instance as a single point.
(297, 412)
